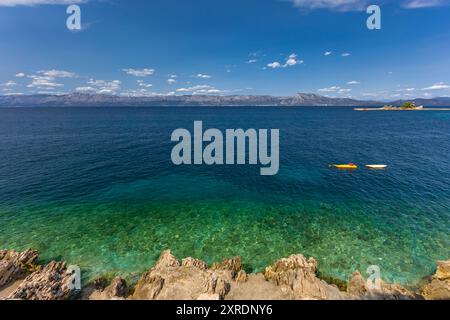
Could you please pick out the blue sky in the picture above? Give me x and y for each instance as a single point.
(276, 47)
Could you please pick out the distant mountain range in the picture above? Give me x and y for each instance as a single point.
(98, 100)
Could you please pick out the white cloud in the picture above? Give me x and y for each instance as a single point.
(104, 87)
(330, 89)
(417, 4)
(201, 89)
(143, 84)
(203, 76)
(106, 91)
(328, 53)
(194, 88)
(57, 73)
(137, 93)
(13, 3)
(8, 84)
(353, 82)
(43, 82)
(291, 61)
(13, 94)
(145, 93)
(402, 93)
(339, 5)
(139, 72)
(171, 81)
(369, 94)
(229, 68)
(53, 93)
(275, 65)
(252, 61)
(46, 79)
(437, 86)
(85, 89)
(361, 5)
(346, 54)
(209, 91)
(335, 89)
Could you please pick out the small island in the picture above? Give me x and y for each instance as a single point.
(407, 106)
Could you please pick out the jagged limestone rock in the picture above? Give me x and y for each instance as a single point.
(14, 265)
(439, 287)
(206, 296)
(241, 276)
(290, 278)
(234, 265)
(296, 276)
(191, 262)
(190, 280)
(358, 287)
(117, 290)
(256, 287)
(52, 282)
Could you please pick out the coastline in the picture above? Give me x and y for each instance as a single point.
(291, 278)
(398, 109)
(301, 99)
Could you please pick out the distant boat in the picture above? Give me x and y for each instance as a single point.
(348, 166)
(376, 166)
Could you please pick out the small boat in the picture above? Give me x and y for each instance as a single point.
(348, 166)
(376, 166)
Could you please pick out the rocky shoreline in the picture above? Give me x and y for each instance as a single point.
(292, 278)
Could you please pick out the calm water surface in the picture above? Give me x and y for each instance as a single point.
(97, 188)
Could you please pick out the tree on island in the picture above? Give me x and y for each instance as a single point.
(408, 105)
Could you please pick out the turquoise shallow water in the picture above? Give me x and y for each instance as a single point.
(96, 187)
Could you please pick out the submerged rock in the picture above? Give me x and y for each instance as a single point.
(14, 265)
(52, 282)
(439, 287)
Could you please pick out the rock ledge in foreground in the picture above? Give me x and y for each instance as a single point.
(14, 265)
(292, 278)
(52, 282)
(439, 287)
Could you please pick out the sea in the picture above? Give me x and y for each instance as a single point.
(96, 187)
